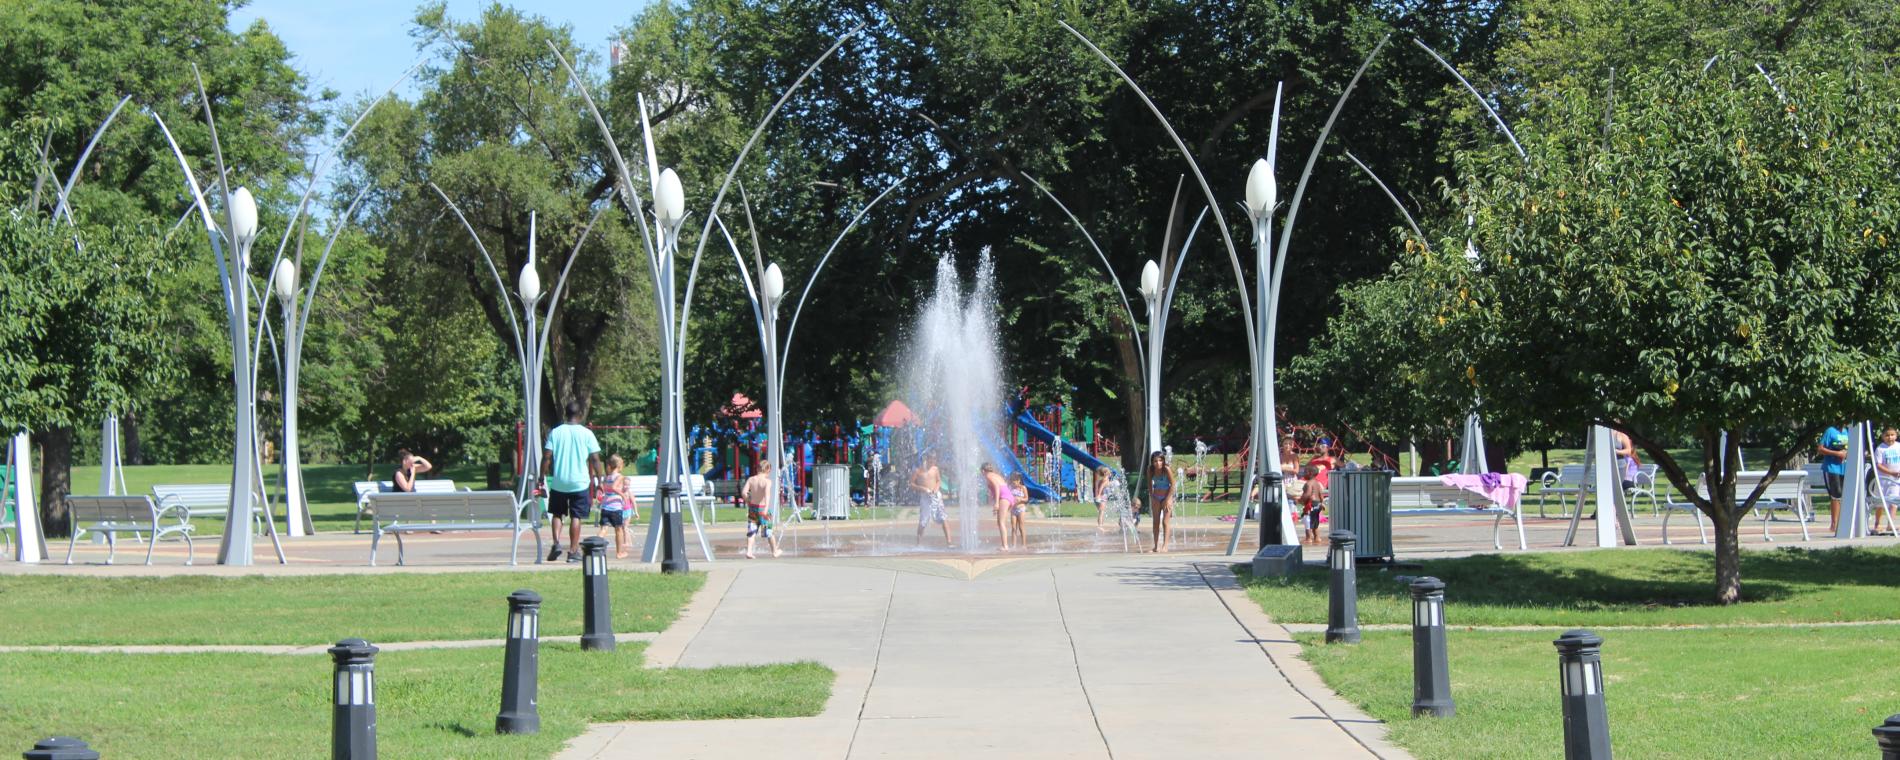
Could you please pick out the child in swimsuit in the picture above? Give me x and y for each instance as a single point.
(1020, 493)
(1003, 499)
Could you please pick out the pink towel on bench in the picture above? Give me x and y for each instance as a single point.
(1501, 488)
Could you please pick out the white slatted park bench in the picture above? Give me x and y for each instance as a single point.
(1426, 496)
(1566, 482)
(112, 515)
(202, 500)
(364, 488)
(399, 513)
(1788, 493)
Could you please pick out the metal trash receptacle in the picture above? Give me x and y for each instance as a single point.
(1361, 501)
(831, 491)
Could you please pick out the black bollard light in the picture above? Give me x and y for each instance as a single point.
(1272, 494)
(1888, 735)
(674, 560)
(353, 711)
(60, 748)
(596, 603)
(1431, 671)
(1342, 609)
(519, 679)
(1586, 721)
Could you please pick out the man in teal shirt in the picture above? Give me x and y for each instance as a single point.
(1833, 451)
(570, 468)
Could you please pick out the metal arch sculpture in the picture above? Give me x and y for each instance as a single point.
(235, 548)
(672, 332)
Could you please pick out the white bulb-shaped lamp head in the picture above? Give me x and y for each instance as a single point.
(774, 285)
(284, 281)
(1150, 280)
(243, 216)
(528, 285)
(669, 200)
(1262, 195)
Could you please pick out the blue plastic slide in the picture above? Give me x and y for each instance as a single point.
(1028, 423)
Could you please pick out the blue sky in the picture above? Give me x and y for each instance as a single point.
(357, 46)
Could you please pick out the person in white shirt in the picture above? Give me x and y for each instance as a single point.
(1887, 463)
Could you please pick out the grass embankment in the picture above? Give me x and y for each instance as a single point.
(317, 609)
(430, 702)
(1695, 693)
(438, 703)
(1778, 688)
(1616, 587)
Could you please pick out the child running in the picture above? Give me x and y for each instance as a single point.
(1002, 498)
(615, 496)
(1312, 504)
(758, 516)
(1020, 494)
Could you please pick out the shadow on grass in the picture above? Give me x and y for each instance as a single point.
(1625, 580)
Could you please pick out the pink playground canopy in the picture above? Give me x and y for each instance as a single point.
(742, 408)
(895, 415)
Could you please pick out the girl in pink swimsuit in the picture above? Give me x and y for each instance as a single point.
(1004, 500)
(1019, 495)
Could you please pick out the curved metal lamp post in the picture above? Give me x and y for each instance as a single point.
(662, 244)
(1260, 343)
(770, 292)
(530, 350)
(1151, 294)
(239, 231)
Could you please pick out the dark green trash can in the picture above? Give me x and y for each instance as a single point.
(1361, 501)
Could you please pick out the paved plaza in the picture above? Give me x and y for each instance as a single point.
(1072, 657)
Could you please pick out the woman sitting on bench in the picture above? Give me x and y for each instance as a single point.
(408, 466)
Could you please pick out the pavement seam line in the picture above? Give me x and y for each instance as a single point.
(1330, 718)
(877, 658)
(1076, 657)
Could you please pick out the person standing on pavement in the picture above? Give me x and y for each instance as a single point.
(1833, 451)
(570, 469)
(757, 493)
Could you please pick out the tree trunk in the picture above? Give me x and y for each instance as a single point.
(1728, 561)
(133, 453)
(56, 479)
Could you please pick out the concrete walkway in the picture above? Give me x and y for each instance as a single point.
(1118, 657)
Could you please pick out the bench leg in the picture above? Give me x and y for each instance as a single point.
(112, 545)
(149, 546)
(1666, 515)
(535, 530)
(190, 553)
(1496, 525)
(72, 536)
(514, 548)
(373, 541)
(399, 549)
(1764, 526)
(1801, 515)
(1698, 526)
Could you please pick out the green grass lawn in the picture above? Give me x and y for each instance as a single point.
(430, 703)
(317, 609)
(1759, 692)
(1615, 587)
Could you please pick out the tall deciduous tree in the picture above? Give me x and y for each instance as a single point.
(84, 332)
(1718, 259)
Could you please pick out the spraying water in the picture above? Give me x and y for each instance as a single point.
(954, 378)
